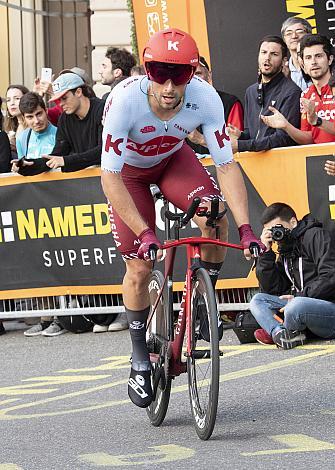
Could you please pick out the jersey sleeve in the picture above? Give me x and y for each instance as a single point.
(116, 122)
(215, 131)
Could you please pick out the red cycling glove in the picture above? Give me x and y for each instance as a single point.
(247, 236)
(148, 241)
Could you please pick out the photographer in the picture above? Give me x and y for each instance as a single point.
(300, 285)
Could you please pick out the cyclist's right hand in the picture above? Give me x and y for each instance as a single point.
(149, 242)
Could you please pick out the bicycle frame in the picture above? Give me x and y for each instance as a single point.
(176, 334)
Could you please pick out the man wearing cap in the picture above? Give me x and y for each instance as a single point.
(78, 138)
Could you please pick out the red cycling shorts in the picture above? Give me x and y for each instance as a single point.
(180, 177)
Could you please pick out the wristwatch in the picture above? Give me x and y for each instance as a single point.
(318, 122)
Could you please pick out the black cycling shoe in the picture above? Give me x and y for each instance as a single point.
(139, 387)
(202, 317)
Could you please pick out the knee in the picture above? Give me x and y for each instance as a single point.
(224, 227)
(137, 275)
(257, 299)
(294, 308)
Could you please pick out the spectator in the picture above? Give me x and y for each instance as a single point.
(115, 67)
(317, 102)
(233, 111)
(83, 75)
(14, 123)
(293, 30)
(37, 139)
(44, 89)
(40, 136)
(137, 70)
(5, 153)
(78, 138)
(272, 88)
(301, 283)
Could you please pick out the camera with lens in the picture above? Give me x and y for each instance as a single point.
(279, 232)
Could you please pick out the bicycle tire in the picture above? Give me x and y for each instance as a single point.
(157, 339)
(203, 390)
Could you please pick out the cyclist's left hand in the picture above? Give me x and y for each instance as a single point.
(247, 237)
(148, 241)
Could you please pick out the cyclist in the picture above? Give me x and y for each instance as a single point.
(146, 120)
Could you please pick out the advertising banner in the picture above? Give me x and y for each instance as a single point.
(55, 236)
(228, 32)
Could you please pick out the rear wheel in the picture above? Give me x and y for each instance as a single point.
(157, 341)
(203, 365)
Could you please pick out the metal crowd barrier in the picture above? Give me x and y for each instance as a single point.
(228, 300)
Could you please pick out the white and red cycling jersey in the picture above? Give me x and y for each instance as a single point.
(134, 135)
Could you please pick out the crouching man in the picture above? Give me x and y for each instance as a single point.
(297, 288)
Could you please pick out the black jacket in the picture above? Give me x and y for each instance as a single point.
(313, 245)
(284, 95)
(79, 141)
(5, 153)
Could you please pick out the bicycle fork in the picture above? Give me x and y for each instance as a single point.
(184, 321)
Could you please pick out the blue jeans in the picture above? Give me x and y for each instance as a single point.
(300, 313)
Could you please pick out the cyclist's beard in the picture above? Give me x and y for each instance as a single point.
(172, 100)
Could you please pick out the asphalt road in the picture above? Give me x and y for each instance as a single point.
(63, 405)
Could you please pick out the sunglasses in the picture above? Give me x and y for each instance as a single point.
(160, 72)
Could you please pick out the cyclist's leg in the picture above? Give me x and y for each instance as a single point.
(135, 284)
(184, 178)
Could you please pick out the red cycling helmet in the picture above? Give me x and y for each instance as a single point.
(171, 46)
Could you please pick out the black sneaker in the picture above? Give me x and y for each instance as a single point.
(202, 317)
(286, 339)
(139, 387)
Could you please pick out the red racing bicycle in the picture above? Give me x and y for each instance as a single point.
(197, 323)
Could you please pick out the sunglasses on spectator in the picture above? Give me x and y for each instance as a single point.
(160, 72)
(289, 33)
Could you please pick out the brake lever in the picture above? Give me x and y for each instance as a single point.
(153, 252)
(254, 249)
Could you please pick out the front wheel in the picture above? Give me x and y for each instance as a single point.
(157, 341)
(203, 362)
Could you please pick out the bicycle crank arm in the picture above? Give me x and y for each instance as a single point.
(201, 354)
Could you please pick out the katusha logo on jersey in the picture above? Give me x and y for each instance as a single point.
(153, 147)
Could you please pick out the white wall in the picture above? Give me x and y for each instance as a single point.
(110, 26)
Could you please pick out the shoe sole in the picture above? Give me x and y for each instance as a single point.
(290, 344)
(54, 334)
(119, 328)
(263, 343)
(33, 334)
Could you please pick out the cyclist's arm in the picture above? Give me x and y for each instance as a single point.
(114, 140)
(228, 172)
(233, 188)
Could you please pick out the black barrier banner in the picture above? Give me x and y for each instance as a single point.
(57, 233)
(321, 192)
(235, 29)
